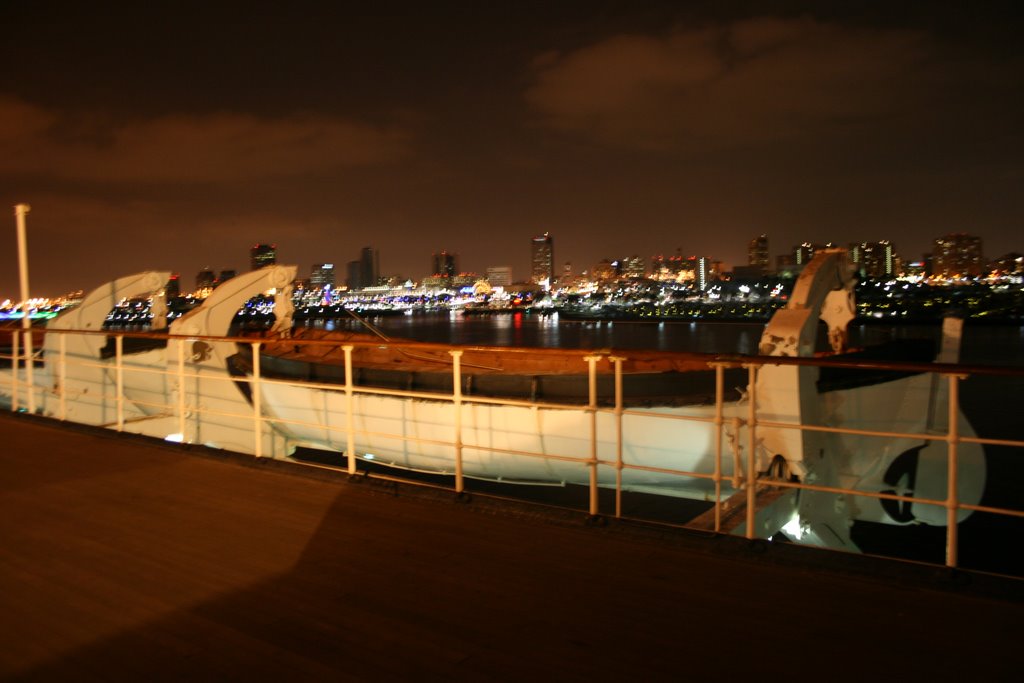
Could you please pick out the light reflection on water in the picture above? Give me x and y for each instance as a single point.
(999, 344)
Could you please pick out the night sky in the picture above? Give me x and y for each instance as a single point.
(175, 135)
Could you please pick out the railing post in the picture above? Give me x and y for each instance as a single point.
(350, 446)
(737, 464)
(181, 391)
(63, 377)
(617, 360)
(15, 365)
(457, 403)
(30, 368)
(257, 419)
(952, 502)
(719, 420)
(592, 409)
(119, 379)
(752, 440)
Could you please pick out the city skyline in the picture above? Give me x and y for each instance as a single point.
(862, 256)
(620, 129)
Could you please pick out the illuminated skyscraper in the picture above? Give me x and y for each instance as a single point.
(874, 259)
(205, 279)
(703, 272)
(958, 254)
(803, 253)
(261, 255)
(445, 264)
(757, 253)
(321, 275)
(542, 259)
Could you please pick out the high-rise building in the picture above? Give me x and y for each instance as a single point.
(226, 275)
(542, 259)
(445, 264)
(757, 253)
(704, 272)
(261, 255)
(874, 259)
(205, 279)
(173, 288)
(369, 267)
(958, 254)
(321, 275)
(803, 253)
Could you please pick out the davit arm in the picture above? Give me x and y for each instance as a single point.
(824, 290)
(214, 317)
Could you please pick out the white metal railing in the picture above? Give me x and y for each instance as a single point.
(744, 467)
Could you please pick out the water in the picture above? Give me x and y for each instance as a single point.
(982, 344)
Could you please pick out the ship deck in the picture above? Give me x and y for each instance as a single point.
(128, 559)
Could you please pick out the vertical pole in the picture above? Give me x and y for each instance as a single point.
(953, 439)
(181, 390)
(350, 446)
(15, 363)
(592, 409)
(457, 404)
(63, 377)
(30, 367)
(618, 433)
(257, 423)
(119, 378)
(752, 434)
(26, 322)
(737, 465)
(719, 392)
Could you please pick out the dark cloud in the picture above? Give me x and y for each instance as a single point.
(174, 136)
(729, 86)
(181, 148)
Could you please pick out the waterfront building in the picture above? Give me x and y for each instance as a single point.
(542, 258)
(758, 255)
(668, 268)
(261, 255)
(958, 255)
(604, 271)
(499, 276)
